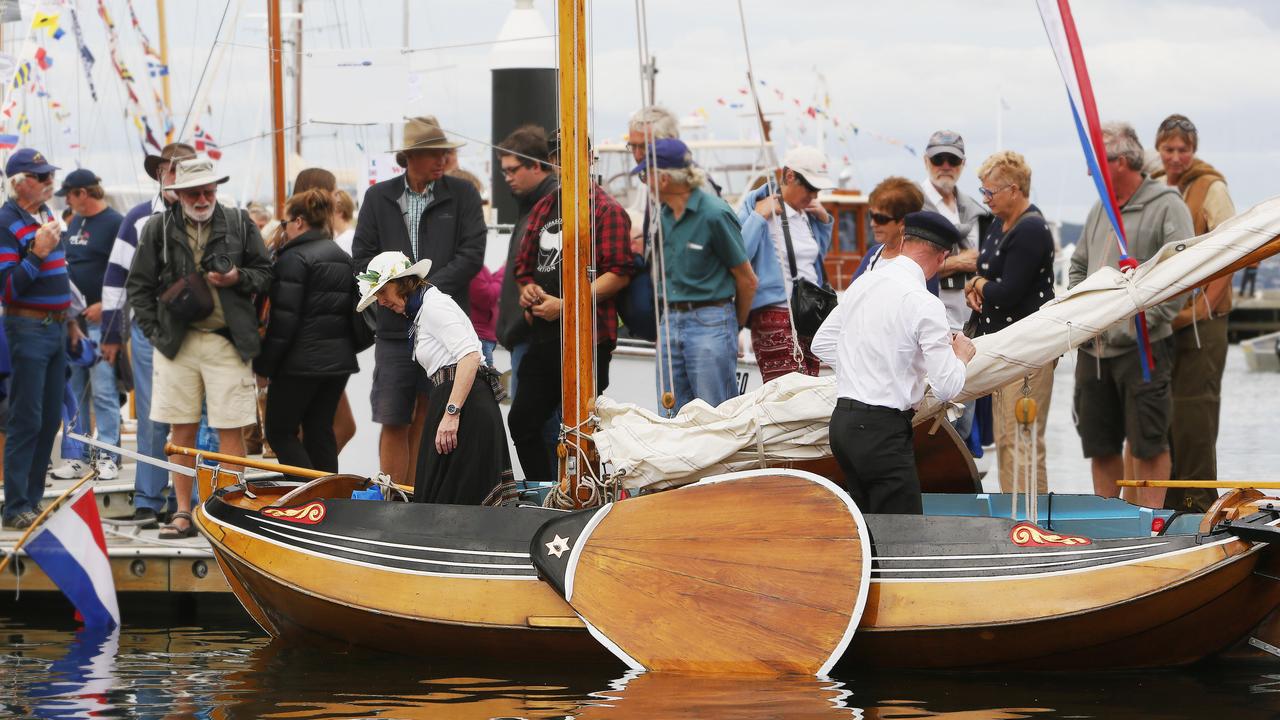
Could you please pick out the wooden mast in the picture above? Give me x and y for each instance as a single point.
(578, 378)
(277, 100)
(164, 60)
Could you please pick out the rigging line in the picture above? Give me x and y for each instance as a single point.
(259, 136)
(480, 43)
(195, 93)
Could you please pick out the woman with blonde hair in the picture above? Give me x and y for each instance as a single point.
(1015, 277)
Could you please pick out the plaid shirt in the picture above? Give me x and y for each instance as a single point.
(415, 204)
(613, 249)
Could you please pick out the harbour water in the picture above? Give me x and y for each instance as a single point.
(180, 660)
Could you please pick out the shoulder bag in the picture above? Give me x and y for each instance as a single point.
(810, 303)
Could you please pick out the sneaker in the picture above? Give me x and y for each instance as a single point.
(21, 521)
(70, 470)
(147, 517)
(107, 469)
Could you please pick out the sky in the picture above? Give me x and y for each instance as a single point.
(899, 70)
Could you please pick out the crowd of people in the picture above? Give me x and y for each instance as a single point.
(237, 319)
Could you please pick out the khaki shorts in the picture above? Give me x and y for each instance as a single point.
(1120, 406)
(207, 368)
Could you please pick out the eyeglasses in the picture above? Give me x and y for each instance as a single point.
(635, 146)
(511, 171)
(882, 219)
(946, 159)
(197, 193)
(988, 194)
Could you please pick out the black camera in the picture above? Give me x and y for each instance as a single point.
(218, 263)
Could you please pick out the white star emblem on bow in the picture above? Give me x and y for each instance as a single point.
(558, 546)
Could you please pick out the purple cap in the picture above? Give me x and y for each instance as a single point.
(28, 160)
(669, 153)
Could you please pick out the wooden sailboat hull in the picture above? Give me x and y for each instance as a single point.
(946, 592)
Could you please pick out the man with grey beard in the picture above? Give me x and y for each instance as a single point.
(191, 288)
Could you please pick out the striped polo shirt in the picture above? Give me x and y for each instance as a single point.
(45, 286)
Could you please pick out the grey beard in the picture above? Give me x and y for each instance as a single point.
(199, 217)
(945, 185)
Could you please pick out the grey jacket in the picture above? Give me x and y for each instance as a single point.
(1153, 217)
(971, 213)
(164, 256)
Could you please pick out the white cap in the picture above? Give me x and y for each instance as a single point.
(811, 164)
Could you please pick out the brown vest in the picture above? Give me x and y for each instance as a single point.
(1194, 192)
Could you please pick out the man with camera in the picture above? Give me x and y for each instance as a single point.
(196, 270)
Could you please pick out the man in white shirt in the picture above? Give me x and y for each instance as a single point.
(944, 161)
(887, 339)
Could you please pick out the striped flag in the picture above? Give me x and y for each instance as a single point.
(204, 143)
(9, 142)
(1060, 26)
(72, 551)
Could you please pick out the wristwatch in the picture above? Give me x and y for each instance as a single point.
(452, 409)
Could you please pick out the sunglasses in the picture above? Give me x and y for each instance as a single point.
(41, 177)
(198, 193)
(882, 219)
(804, 183)
(988, 194)
(1180, 123)
(946, 159)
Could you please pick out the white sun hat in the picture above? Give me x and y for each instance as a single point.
(196, 172)
(384, 268)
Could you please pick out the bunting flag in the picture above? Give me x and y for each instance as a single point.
(21, 75)
(24, 124)
(86, 57)
(1061, 29)
(204, 143)
(43, 60)
(9, 142)
(155, 69)
(49, 23)
(150, 136)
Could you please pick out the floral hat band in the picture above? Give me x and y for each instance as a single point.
(384, 268)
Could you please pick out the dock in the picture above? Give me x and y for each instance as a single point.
(1254, 315)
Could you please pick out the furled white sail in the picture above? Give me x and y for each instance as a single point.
(786, 419)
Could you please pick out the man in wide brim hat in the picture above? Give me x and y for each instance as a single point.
(172, 152)
(195, 173)
(424, 133)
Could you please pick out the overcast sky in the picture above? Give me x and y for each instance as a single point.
(898, 69)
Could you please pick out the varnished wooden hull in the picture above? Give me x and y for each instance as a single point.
(1144, 602)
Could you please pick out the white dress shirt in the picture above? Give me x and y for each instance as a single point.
(802, 240)
(444, 333)
(887, 335)
(957, 310)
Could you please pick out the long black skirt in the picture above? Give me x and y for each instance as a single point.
(480, 463)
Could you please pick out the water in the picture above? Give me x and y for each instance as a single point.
(232, 671)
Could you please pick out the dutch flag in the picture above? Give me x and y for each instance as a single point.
(72, 551)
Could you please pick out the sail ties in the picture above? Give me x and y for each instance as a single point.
(593, 487)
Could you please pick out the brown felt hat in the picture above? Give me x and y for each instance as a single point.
(172, 151)
(424, 133)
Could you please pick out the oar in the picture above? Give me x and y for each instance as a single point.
(1216, 484)
(762, 572)
(43, 515)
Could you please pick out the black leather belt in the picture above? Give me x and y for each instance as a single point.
(695, 304)
(851, 404)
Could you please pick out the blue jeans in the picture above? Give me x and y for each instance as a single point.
(486, 349)
(97, 384)
(704, 355)
(39, 359)
(149, 481)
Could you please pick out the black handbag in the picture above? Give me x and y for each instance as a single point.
(810, 303)
(364, 326)
(189, 298)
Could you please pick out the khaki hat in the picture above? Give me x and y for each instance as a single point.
(811, 164)
(172, 151)
(424, 133)
(384, 268)
(194, 173)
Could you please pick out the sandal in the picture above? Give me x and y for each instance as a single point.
(173, 532)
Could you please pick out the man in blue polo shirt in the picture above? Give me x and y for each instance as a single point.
(89, 239)
(36, 293)
(708, 281)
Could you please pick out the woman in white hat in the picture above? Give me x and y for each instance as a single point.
(463, 458)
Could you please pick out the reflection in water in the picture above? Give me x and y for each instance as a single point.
(235, 673)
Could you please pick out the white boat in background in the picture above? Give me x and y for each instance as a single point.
(1262, 353)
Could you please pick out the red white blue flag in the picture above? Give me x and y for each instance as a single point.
(72, 551)
(1061, 29)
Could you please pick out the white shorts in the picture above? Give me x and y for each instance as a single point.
(207, 368)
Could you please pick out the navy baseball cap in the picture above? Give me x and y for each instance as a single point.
(76, 179)
(932, 227)
(28, 160)
(669, 154)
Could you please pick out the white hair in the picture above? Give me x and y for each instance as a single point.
(1121, 140)
(693, 176)
(661, 120)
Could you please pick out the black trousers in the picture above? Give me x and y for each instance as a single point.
(308, 404)
(536, 402)
(873, 447)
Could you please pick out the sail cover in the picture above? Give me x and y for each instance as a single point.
(786, 419)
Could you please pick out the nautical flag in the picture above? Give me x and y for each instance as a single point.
(205, 144)
(156, 69)
(43, 59)
(1061, 29)
(150, 137)
(48, 21)
(24, 124)
(9, 142)
(21, 75)
(72, 551)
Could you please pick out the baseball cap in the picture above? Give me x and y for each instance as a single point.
(811, 164)
(76, 179)
(28, 160)
(945, 141)
(669, 153)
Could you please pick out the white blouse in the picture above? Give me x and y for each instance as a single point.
(444, 333)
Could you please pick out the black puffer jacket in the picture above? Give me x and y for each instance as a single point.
(312, 300)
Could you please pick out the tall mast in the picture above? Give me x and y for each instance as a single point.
(164, 60)
(297, 84)
(277, 100)
(578, 378)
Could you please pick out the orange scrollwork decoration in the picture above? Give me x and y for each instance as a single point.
(1026, 534)
(309, 514)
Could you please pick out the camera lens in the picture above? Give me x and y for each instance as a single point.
(219, 263)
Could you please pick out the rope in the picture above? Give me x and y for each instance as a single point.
(196, 93)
